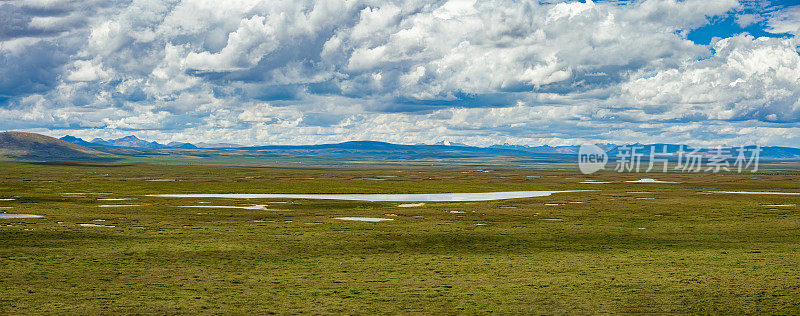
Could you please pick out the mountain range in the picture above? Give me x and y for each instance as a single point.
(442, 149)
(31, 146)
(132, 141)
(127, 142)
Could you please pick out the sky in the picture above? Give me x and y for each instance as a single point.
(696, 72)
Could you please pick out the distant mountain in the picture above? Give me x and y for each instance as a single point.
(132, 145)
(382, 150)
(77, 141)
(125, 142)
(128, 141)
(449, 143)
(781, 152)
(612, 150)
(545, 149)
(540, 149)
(32, 146)
(181, 145)
(673, 150)
(217, 145)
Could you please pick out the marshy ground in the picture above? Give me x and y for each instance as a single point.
(622, 248)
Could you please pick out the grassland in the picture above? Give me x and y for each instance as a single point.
(683, 251)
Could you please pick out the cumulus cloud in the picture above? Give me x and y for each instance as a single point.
(254, 38)
(785, 21)
(87, 70)
(478, 72)
(747, 78)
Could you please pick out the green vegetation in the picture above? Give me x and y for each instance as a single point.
(683, 251)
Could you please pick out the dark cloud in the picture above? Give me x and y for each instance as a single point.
(37, 70)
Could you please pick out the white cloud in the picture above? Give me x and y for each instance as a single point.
(455, 8)
(568, 10)
(254, 38)
(107, 38)
(747, 78)
(745, 20)
(478, 72)
(785, 21)
(88, 70)
(57, 23)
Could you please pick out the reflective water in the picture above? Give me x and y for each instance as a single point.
(18, 216)
(648, 180)
(365, 219)
(411, 205)
(254, 207)
(751, 192)
(435, 197)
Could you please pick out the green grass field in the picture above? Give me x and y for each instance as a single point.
(678, 249)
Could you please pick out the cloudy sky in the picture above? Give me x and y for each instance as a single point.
(476, 72)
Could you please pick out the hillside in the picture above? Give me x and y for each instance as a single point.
(32, 146)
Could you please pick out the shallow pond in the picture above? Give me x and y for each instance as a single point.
(752, 192)
(364, 219)
(254, 207)
(435, 197)
(648, 180)
(18, 216)
(411, 205)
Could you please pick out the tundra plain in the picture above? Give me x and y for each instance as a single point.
(687, 248)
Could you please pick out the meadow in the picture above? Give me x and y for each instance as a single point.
(620, 248)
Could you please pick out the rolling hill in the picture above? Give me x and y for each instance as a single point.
(32, 146)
